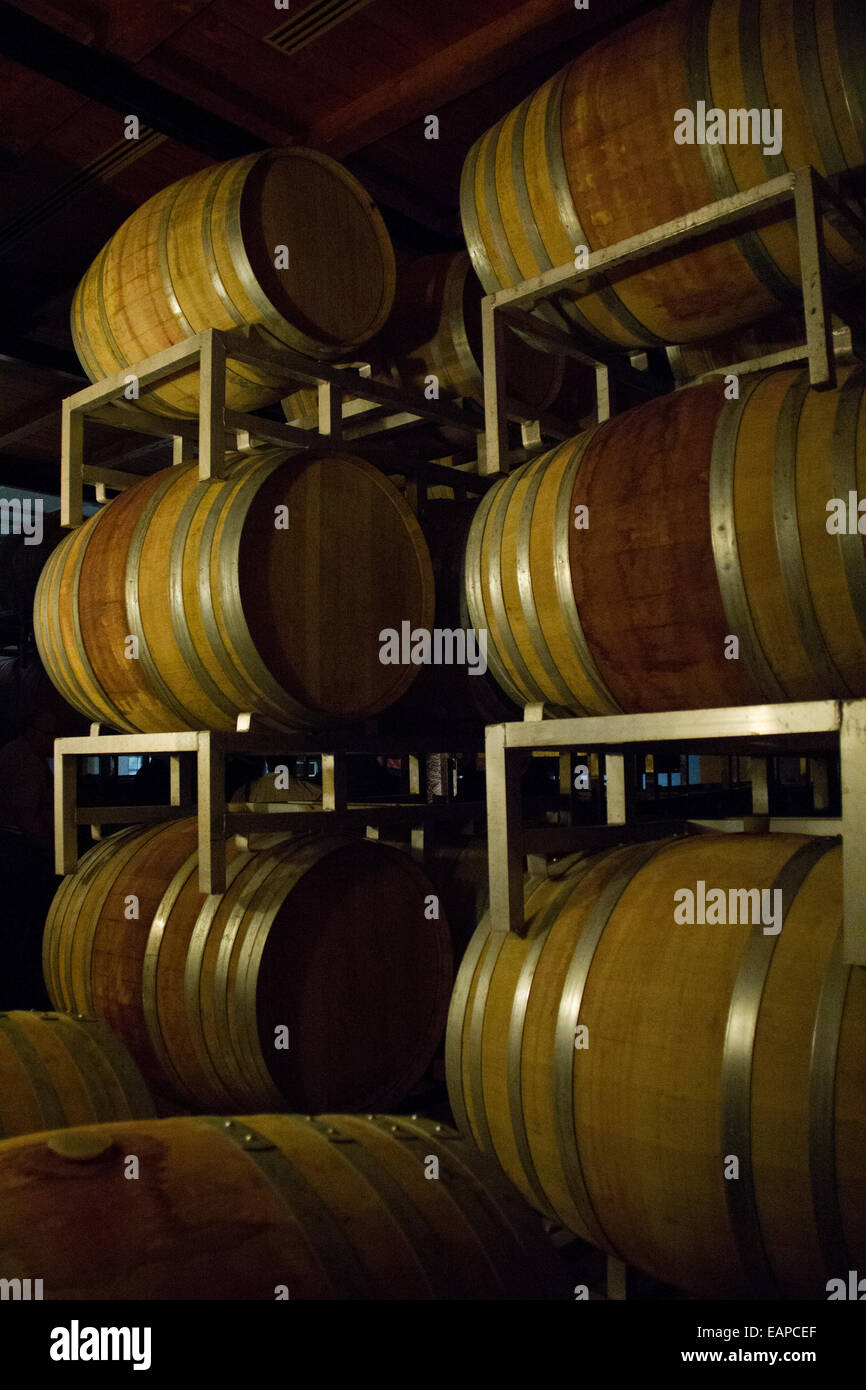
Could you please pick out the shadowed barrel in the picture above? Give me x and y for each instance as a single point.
(269, 1207)
(435, 331)
(65, 1069)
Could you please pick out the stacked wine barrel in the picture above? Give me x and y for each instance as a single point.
(320, 977)
(268, 1207)
(261, 592)
(613, 572)
(285, 241)
(593, 158)
(686, 1095)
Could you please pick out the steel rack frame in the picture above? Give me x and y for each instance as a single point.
(197, 764)
(762, 729)
(377, 411)
(814, 199)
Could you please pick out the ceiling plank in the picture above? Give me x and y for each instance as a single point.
(119, 86)
(524, 31)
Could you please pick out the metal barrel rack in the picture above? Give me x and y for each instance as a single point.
(757, 730)
(197, 788)
(377, 412)
(813, 198)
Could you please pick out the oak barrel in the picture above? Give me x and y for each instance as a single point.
(591, 159)
(778, 335)
(435, 330)
(265, 591)
(445, 696)
(291, 791)
(285, 239)
(333, 940)
(706, 520)
(65, 1069)
(269, 1207)
(615, 1062)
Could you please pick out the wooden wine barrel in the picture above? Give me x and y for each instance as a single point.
(231, 610)
(435, 329)
(327, 938)
(65, 1069)
(776, 335)
(205, 253)
(706, 519)
(616, 1061)
(445, 695)
(459, 869)
(269, 1206)
(592, 158)
(264, 790)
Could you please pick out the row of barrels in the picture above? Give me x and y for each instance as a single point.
(288, 241)
(683, 1090)
(679, 555)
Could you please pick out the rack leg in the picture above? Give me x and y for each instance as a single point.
(211, 815)
(758, 777)
(65, 802)
(614, 767)
(810, 235)
(819, 777)
(852, 749)
(330, 408)
(504, 834)
(72, 466)
(334, 784)
(495, 418)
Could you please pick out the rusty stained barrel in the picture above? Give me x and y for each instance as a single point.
(706, 518)
(590, 159)
(269, 1206)
(204, 253)
(232, 612)
(65, 1069)
(330, 939)
(701, 1042)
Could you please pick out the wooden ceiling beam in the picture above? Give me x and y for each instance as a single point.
(523, 32)
(29, 474)
(117, 85)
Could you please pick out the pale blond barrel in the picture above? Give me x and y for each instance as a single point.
(688, 1097)
(286, 240)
